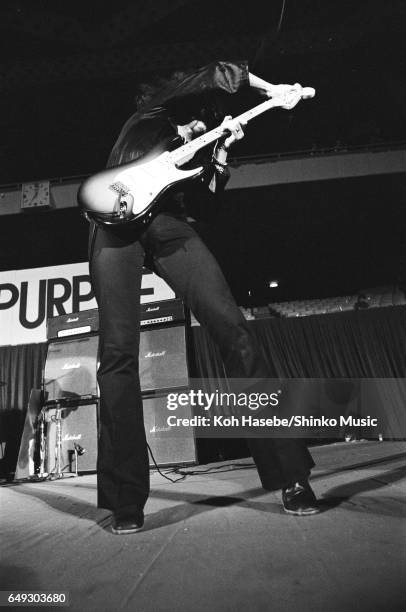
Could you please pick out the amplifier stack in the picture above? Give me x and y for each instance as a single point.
(70, 390)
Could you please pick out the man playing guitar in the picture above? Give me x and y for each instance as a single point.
(179, 112)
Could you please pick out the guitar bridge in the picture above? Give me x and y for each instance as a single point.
(121, 205)
(120, 188)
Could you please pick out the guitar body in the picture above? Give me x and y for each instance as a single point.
(130, 192)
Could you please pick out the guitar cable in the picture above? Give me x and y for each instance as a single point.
(228, 467)
(182, 477)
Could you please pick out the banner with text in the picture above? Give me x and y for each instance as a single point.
(29, 297)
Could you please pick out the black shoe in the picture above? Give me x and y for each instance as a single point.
(124, 524)
(300, 500)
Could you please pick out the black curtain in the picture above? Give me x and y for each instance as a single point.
(20, 371)
(356, 344)
(353, 345)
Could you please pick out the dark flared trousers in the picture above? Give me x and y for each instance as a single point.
(180, 257)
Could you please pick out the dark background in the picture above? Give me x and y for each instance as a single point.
(69, 73)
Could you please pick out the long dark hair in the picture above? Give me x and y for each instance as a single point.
(147, 90)
(207, 106)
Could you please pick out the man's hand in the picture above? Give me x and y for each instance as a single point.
(275, 91)
(236, 130)
(292, 93)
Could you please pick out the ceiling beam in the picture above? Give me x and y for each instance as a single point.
(247, 173)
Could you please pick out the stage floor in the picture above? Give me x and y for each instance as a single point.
(218, 541)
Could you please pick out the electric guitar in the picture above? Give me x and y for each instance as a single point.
(131, 192)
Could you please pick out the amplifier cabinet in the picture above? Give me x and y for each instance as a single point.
(71, 365)
(71, 368)
(78, 427)
(169, 445)
(162, 358)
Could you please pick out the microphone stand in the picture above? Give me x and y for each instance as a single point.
(58, 444)
(76, 461)
(42, 473)
(58, 449)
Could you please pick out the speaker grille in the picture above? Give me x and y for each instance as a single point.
(163, 363)
(78, 425)
(169, 445)
(71, 368)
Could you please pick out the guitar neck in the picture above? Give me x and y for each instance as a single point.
(190, 148)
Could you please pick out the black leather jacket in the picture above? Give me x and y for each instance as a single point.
(176, 103)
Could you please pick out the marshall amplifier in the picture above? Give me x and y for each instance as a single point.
(159, 313)
(70, 372)
(162, 358)
(169, 445)
(70, 369)
(78, 430)
(84, 322)
(87, 321)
